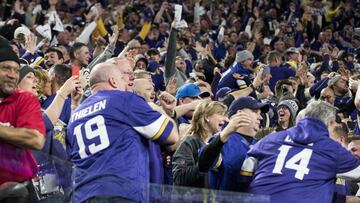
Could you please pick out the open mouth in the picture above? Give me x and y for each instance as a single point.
(281, 114)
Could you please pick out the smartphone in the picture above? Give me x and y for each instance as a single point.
(75, 70)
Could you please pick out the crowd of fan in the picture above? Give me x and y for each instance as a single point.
(224, 56)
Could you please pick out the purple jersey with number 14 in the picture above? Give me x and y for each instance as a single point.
(299, 164)
(106, 141)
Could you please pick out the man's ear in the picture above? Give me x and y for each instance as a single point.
(112, 82)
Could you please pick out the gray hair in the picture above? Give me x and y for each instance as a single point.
(321, 110)
(300, 115)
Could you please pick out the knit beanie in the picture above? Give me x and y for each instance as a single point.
(291, 105)
(24, 70)
(6, 52)
(243, 55)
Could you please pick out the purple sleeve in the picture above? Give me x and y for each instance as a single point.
(148, 122)
(346, 162)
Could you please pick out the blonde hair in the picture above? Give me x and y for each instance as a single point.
(142, 74)
(42, 77)
(202, 111)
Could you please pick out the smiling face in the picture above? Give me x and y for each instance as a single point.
(9, 76)
(354, 148)
(52, 58)
(283, 113)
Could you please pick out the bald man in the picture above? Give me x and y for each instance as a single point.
(144, 88)
(105, 137)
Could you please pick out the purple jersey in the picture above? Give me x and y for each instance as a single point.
(105, 141)
(299, 164)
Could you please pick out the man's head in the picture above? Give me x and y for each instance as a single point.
(153, 54)
(53, 56)
(279, 46)
(354, 146)
(114, 74)
(141, 62)
(222, 93)
(322, 111)
(253, 109)
(79, 54)
(189, 93)
(339, 134)
(339, 84)
(142, 74)
(292, 54)
(9, 69)
(144, 88)
(274, 59)
(58, 75)
(327, 94)
(245, 58)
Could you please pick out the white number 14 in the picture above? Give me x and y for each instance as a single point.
(302, 157)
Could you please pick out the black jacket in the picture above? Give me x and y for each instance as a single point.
(185, 163)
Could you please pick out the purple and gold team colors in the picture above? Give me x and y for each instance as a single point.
(106, 142)
(299, 164)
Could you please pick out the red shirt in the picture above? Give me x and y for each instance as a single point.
(20, 110)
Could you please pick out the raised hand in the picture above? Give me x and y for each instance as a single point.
(353, 84)
(115, 35)
(30, 43)
(238, 120)
(167, 101)
(258, 81)
(71, 85)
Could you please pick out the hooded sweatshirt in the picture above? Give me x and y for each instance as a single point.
(301, 164)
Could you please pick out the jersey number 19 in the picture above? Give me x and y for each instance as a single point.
(94, 127)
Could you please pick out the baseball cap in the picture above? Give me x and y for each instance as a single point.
(222, 92)
(190, 90)
(21, 30)
(152, 66)
(247, 102)
(292, 50)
